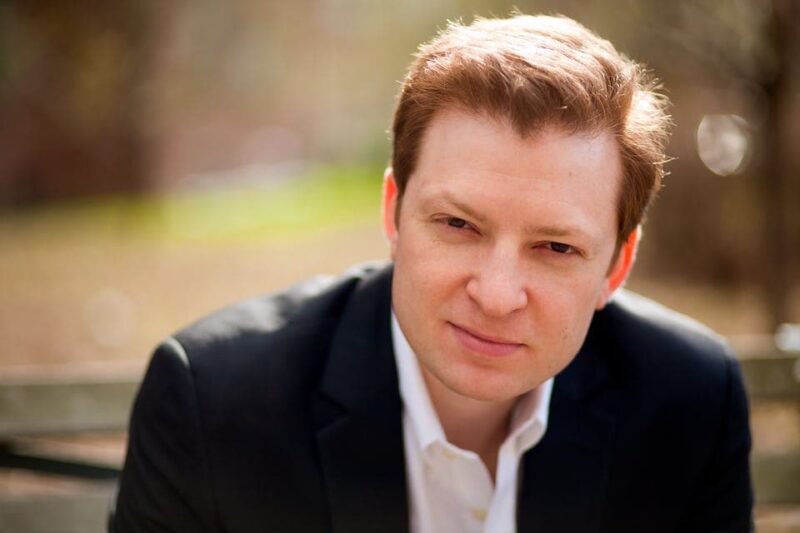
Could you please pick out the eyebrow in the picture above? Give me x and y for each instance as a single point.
(447, 199)
(554, 231)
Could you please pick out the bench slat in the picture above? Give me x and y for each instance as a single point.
(30, 408)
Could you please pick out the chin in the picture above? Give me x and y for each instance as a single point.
(484, 388)
(491, 395)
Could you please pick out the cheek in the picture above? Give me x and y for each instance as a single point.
(419, 278)
(433, 265)
(569, 291)
(566, 308)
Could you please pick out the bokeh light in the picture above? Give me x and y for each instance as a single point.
(723, 143)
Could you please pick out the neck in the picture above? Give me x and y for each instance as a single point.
(475, 425)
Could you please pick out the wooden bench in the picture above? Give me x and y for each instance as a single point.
(773, 384)
(38, 409)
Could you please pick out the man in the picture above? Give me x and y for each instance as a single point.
(486, 381)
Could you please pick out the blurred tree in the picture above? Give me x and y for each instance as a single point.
(742, 56)
(71, 97)
(780, 200)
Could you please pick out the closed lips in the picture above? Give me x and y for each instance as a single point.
(486, 338)
(484, 345)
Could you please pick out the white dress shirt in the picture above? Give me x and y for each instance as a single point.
(450, 489)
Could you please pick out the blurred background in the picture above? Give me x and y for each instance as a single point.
(159, 160)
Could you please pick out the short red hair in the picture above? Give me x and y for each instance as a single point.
(538, 71)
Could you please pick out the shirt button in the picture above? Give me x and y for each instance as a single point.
(449, 454)
(479, 514)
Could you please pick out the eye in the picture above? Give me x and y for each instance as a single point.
(455, 227)
(455, 222)
(560, 247)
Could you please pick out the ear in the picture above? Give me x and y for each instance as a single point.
(622, 267)
(389, 205)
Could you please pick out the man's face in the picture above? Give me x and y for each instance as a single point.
(502, 251)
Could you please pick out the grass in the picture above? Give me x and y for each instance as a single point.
(321, 197)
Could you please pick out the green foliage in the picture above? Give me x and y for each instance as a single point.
(322, 197)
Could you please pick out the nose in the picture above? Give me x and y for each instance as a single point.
(497, 285)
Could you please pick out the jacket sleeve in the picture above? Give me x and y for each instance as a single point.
(724, 499)
(164, 485)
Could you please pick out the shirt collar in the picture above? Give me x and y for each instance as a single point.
(528, 420)
(416, 400)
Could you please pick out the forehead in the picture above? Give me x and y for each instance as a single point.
(563, 176)
(459, 138)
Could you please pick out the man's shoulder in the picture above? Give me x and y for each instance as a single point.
(658, 326)
(647, 323)
(266, 331)
(662, 348)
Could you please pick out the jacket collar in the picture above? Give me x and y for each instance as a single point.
(564, 477)
(359, 417)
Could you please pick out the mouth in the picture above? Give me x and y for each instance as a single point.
(484, 344)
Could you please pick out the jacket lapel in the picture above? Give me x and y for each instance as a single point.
(564, 477)
(358, 415)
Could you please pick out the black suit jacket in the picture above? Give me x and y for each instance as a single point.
(283, 414)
